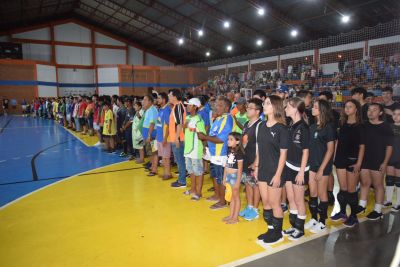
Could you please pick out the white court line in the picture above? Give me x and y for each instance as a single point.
(2, 161)
(60, 181)
(16, 158)
(269, 250)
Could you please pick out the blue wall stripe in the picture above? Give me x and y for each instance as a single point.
(91, 85)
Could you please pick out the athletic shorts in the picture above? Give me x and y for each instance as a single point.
(263, 178)
(327, 170)
(290, 175)
(394, 163)
(164, 151)
(373, 164)
(82, 121)
(345, 163)
(96, 126)
(194, 166)
(248, 178)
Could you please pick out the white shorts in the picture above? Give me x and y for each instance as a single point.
(96, 126)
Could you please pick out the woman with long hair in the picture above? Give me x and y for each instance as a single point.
(272, 144)
(349, 156)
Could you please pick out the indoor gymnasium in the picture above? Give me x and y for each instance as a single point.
(199, 133)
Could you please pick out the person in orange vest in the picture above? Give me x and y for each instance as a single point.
(177, 121)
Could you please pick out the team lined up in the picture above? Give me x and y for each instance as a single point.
(274, 145)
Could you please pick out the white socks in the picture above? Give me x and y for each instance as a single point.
(398, 196)
(389, 193)
(362, 203)
(378, 208)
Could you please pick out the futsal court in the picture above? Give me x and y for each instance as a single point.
(200, 133)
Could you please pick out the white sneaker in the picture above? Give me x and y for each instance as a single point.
(311, 223)
(97, 144)
(318, 228)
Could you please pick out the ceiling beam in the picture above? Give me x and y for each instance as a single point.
(129, 13)
(117, 22)
(195, 26)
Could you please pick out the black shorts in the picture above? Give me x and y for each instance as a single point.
(327, 170)
(373, 164)
(82, 121)
(394, 163)
(268, 180)
(345, 163)
(290, 175)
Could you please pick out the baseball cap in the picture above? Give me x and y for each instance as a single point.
(283, 89)
(194, 102)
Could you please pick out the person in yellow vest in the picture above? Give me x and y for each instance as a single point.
(109, 130)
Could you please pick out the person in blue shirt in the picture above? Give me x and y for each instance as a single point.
(163, 144)
(217, 140)
(149, 131)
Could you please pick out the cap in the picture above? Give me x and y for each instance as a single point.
(194, 102)
(283, 89)
(241, 101)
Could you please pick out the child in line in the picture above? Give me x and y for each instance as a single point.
(193, 151)
(233, 174)
(137, 125)
(109, 131)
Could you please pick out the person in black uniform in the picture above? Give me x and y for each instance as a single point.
(389, 104)
(393, 169)
(348, 159)
(322, 146)
(272, 144)
(378, 137)
(360, 94)
(296, 169)
(328, 96)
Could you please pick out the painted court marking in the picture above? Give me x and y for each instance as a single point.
(269, 250)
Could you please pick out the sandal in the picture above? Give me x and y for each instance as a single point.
(232, 221)
(217, 206)
(151, 174)
(195, 198)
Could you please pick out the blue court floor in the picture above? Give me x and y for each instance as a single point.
(36, 152)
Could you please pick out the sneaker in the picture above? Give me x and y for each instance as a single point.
(296, 235)
(122, 155)
(288, 232)
(178, 185)
(311, 223)
(387, 204)
(284, 207)
(264, 235)
(360, 210)
(318, 228)
(374, 215)
(187, 193)
(351, 222)
(252, 214)
(395, 208)
(243, 212)
(273, 238)
(339, 217)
